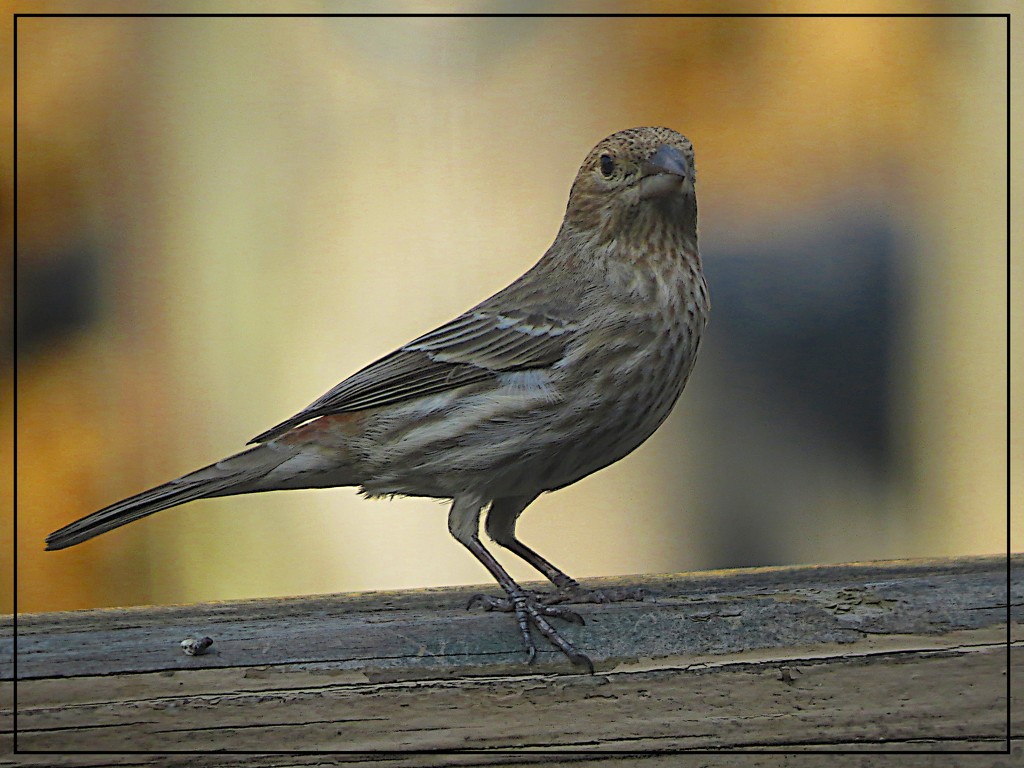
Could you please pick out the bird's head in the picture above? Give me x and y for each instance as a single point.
(633, 184)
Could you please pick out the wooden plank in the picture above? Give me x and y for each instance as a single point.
(907, 655)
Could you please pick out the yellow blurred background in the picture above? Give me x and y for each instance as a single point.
(221, 218)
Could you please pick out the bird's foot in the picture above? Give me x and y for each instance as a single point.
(531, 611)
(574, 593)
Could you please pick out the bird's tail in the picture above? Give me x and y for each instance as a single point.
(241, 473)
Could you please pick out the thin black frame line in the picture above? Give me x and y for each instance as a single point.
(1007, 16)
(1009, 410)
(14, 381)
(520, 15)
(780, 750)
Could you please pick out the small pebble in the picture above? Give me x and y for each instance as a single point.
(193, 647)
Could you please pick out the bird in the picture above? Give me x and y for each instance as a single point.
(565, 371)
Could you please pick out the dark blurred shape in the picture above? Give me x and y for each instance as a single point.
(57, 295)
(814, 312)
(800, 353)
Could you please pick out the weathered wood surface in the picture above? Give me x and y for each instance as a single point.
(907, 655)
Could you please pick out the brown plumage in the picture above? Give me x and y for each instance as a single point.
(563, 372)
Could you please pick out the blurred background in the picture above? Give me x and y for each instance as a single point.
(221, 218)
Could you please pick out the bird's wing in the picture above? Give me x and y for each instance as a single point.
(473, 347)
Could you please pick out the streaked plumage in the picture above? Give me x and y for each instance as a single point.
(563, 372)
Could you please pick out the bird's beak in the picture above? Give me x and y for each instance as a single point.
(665, 173)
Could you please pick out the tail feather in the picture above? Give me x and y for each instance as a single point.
(236, 474)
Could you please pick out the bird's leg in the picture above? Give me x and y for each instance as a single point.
(463, 522)
(501, 526)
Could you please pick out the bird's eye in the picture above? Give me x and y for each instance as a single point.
(607, 166)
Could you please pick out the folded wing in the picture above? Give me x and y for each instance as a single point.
(474, 347)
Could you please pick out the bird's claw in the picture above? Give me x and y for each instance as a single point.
(540, 604)
(578, 594)
(530, 611)
(489, 603)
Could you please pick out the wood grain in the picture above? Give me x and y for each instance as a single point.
(907, 655)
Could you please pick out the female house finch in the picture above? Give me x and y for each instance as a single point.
(563, 372)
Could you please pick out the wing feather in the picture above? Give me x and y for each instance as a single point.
(474, 347)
